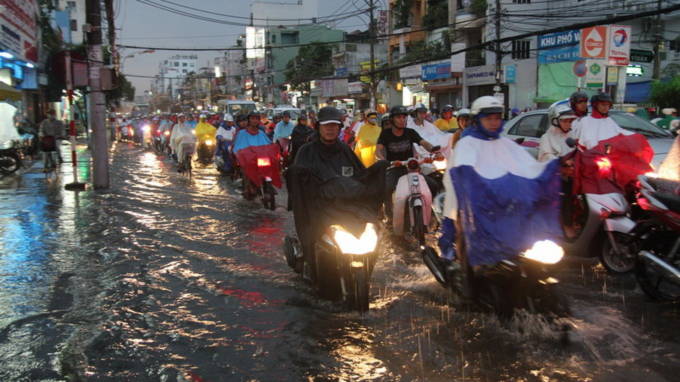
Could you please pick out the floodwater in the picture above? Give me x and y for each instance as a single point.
(165, 278)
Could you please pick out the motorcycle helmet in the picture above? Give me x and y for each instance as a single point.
(254, 113)
(241, 117)
(447, 108)
(420, 107)
(486, 105)
(228, 117)
(370, 113)
(398, 110)
(601, 97)
(577, 96)
(329, 114)
(560, 110)
(463, 113)
(384, 119)
(285, 114)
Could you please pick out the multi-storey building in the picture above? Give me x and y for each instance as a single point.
(171, 74)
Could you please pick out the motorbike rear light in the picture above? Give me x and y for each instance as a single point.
(604, 213)
(604, 165)
(263, 162)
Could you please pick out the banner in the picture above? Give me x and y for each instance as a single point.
(19, 28)
(559, 47)
(436, 71)
(595, 76)
(594, 42)
(619, 45)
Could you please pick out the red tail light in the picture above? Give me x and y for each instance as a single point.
(263, 162)
(604, 165)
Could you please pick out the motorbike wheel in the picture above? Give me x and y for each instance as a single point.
(291, 248)
(616, 263)
(327, 275)
(418, 226)
(655, 284)
(550, 301)
(361, 289)
(270, 200)
(9, 164)
(431, 260)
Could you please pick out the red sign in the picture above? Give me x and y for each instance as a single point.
(580, 68)
(594, 42)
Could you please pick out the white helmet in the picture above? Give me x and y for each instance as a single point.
(487, 105)
(464, 112)
(560, 110)
(228, 117)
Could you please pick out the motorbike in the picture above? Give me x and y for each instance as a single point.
(284, 144)
(261, 173)
(342, 262)
(206, 151)
(657, 270)
(522, 282)
(602, 223)
(223, 159)
(10, 158)
(435, 172)
(187, 153)
(412, 200)
(158, 142)
(147, 137)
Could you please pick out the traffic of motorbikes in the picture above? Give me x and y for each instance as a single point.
(490, 220)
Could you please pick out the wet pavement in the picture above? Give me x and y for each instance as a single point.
(165, 278)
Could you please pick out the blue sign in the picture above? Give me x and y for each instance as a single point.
(436, 71)
(341, 72)
(559, 47)
(510, 74)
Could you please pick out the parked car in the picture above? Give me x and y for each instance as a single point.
(527, 129)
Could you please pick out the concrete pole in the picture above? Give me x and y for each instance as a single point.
(371, 31)
(97, 109)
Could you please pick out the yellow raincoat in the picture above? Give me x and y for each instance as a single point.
(366, 140)
(205, 131)
(445, 125)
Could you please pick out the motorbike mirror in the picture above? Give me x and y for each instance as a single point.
(571, 142)
(607, 149)
(519, 141)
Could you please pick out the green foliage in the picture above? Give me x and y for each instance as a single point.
(123, 89)
(666, 94)
(402, 13)
(437, 14)
(478, 7)
(313, 61)
(422, 51)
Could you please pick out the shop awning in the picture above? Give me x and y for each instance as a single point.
(637, 92)
(8, 92)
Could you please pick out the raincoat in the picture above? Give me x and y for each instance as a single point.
(205, 131)
(505, 199)
(431, 134)
(283, 130)
(553, 144)
(366, 141)
(246, 139)
(445, 125)
(8, 131)
(181, 133)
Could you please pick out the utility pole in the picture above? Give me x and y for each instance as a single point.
(371, 31)
(100, 150)
(656, 72)
(499, 54)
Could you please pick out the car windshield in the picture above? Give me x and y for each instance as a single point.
(240, 108)
(638, 125)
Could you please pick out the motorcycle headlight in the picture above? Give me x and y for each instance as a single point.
(545, 251)
(209, 142)
(146, 128)
(440, 165)
(351, 245)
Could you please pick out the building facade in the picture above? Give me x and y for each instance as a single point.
(171, 74)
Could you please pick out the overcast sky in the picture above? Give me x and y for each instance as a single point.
(143, 25)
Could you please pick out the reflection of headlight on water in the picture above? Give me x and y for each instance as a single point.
(545, 251)
(349, 244)
(440, 165)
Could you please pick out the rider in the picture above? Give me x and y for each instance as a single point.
(302, 134)
(428, 131)
(446, 122)
(284, 128)
(578, 102)
(554, 141)
(463, 119)
(51, 130)
(182, 133)
(486, 172)
(327, 177)
(205, 131)
(367, 139)
(253, 135)
(396, 144)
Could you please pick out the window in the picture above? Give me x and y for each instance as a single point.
(674, 45)
(529, 126)
(521, 1)
(520, 49)
(74, 25)
(273, 39)
(184, 70)
(176, 64)
(290, 38)
(184, 64)
(70, 4)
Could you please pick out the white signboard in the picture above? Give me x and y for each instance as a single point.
(355, 87)
(479, 75)
(619, 45)
(19, 28)
(596, 73)
(412, 71)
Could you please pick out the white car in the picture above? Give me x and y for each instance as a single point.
(527, 129)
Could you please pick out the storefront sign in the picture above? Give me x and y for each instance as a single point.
(19, 29)
(412, 71)
(597, 70)
(635, 70)
(639, 55)
(436, 71)
(619, 45)
(510, 74)
(355, 87)
(341, 72)
(559, 47)
(479, 75)
(594, 42)
(612, 75)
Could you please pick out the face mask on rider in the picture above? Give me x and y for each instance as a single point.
(373, 121)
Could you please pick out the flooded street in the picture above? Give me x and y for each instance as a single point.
(166, 278)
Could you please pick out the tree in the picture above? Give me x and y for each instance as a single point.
(666, 94)
(402, 13)
(437, 14)
(313, 61)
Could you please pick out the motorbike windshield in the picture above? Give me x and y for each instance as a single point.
(670, 167)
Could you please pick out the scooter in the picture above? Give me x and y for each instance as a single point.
(223, 159)
(657, 270)
(412, 200)
(342, 263)
(260, 169)
(523, 282)
(10, 158)
(206, 151)
(603, 227)
(284, 144)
